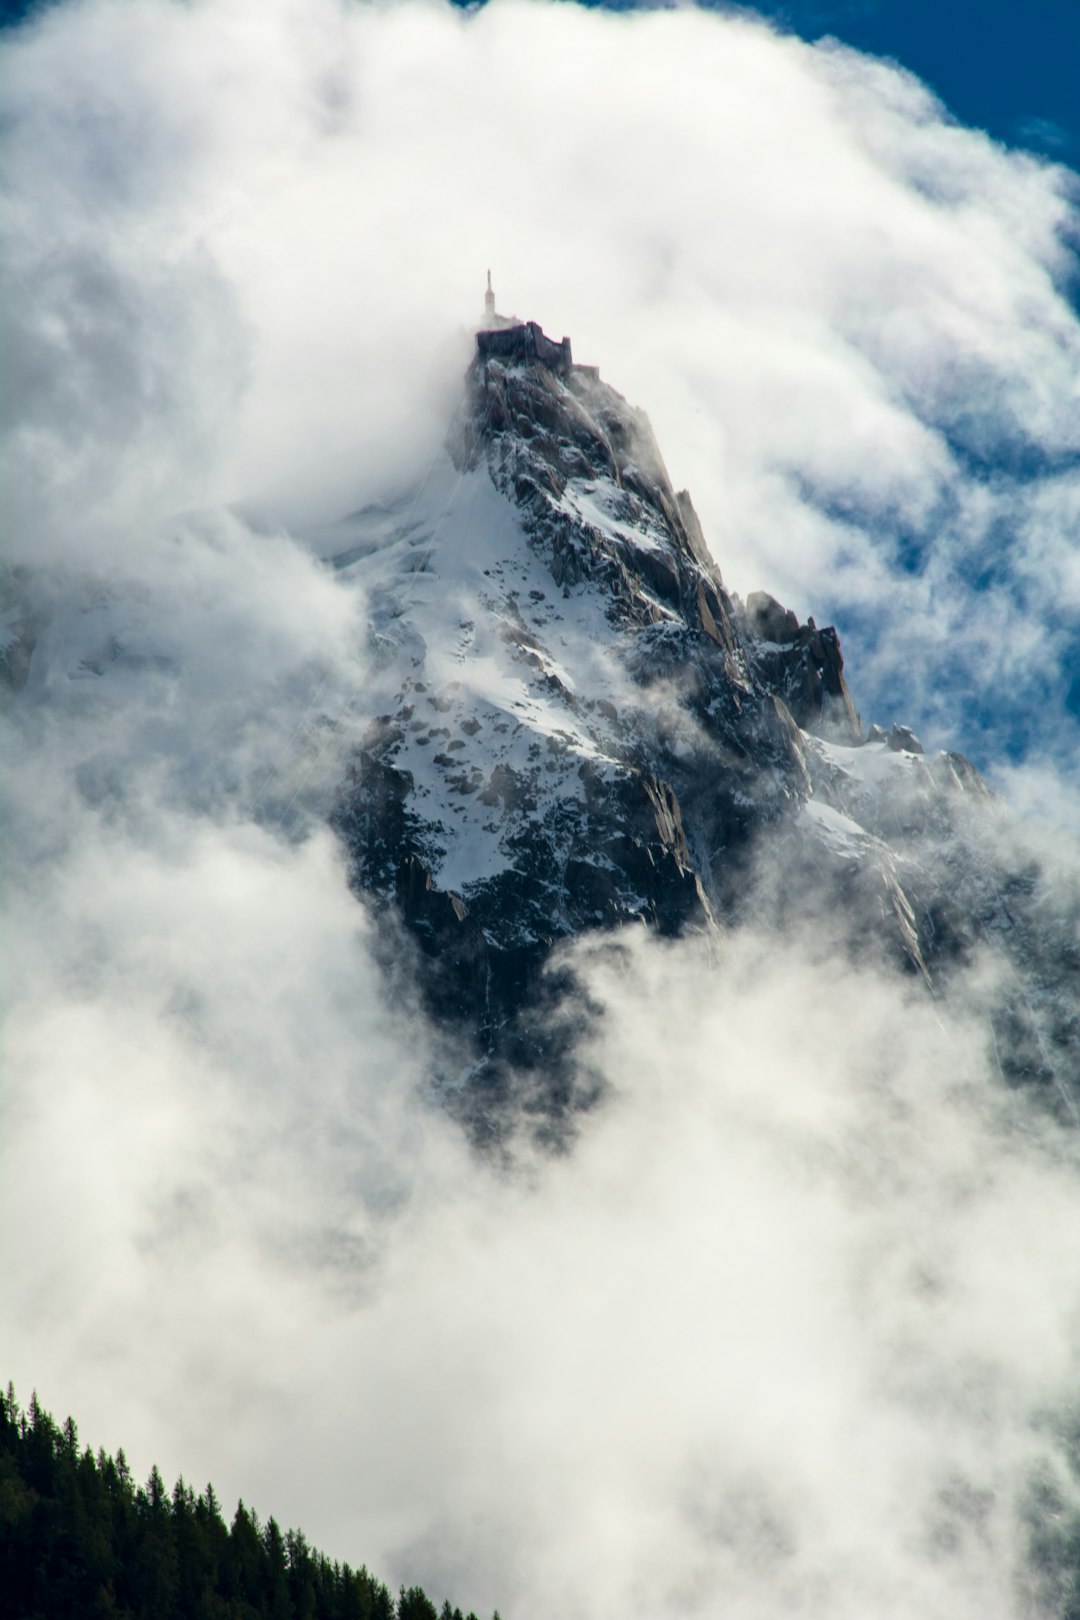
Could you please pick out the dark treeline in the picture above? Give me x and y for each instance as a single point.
(79, 1540)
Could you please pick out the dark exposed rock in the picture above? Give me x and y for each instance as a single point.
(804, 665)
(903, 740)
(768, 621)
(23, 619)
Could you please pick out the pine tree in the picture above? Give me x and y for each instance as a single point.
(415, 1605)
(157, 1568)
(79, 1541)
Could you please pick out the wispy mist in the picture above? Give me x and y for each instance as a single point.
(793, 1328)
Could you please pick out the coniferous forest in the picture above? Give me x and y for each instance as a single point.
(80, 1540)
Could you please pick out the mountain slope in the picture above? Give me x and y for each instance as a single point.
(570, 726)
(78, 1539)
(578, 727)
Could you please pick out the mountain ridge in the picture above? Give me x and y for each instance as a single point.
(581, 728)
(549, 720)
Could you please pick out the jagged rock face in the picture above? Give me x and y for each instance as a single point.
(574, 736)
(962, 880)
(578, 727)
(804, 666)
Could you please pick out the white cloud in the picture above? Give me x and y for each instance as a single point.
(778, 1335)
(249, 242)
(793, 1327)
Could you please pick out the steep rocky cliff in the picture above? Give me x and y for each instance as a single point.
(580, 728)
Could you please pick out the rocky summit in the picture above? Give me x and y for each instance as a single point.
(579, 728)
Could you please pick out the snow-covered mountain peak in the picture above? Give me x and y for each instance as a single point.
(578, 727)
(570, 727)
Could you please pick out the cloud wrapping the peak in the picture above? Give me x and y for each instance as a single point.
(248, 243)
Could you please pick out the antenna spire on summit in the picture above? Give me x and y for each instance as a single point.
(489, 301)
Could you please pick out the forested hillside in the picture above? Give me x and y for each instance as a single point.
(80, 1540)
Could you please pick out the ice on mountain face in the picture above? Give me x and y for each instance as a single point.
(892, 792)
(479, 660)
(837, 832)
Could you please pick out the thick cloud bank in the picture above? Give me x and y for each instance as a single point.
(793, 1329)
(241, 236)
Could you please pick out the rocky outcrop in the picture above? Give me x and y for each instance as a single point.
(804, 665)
(628, 791)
